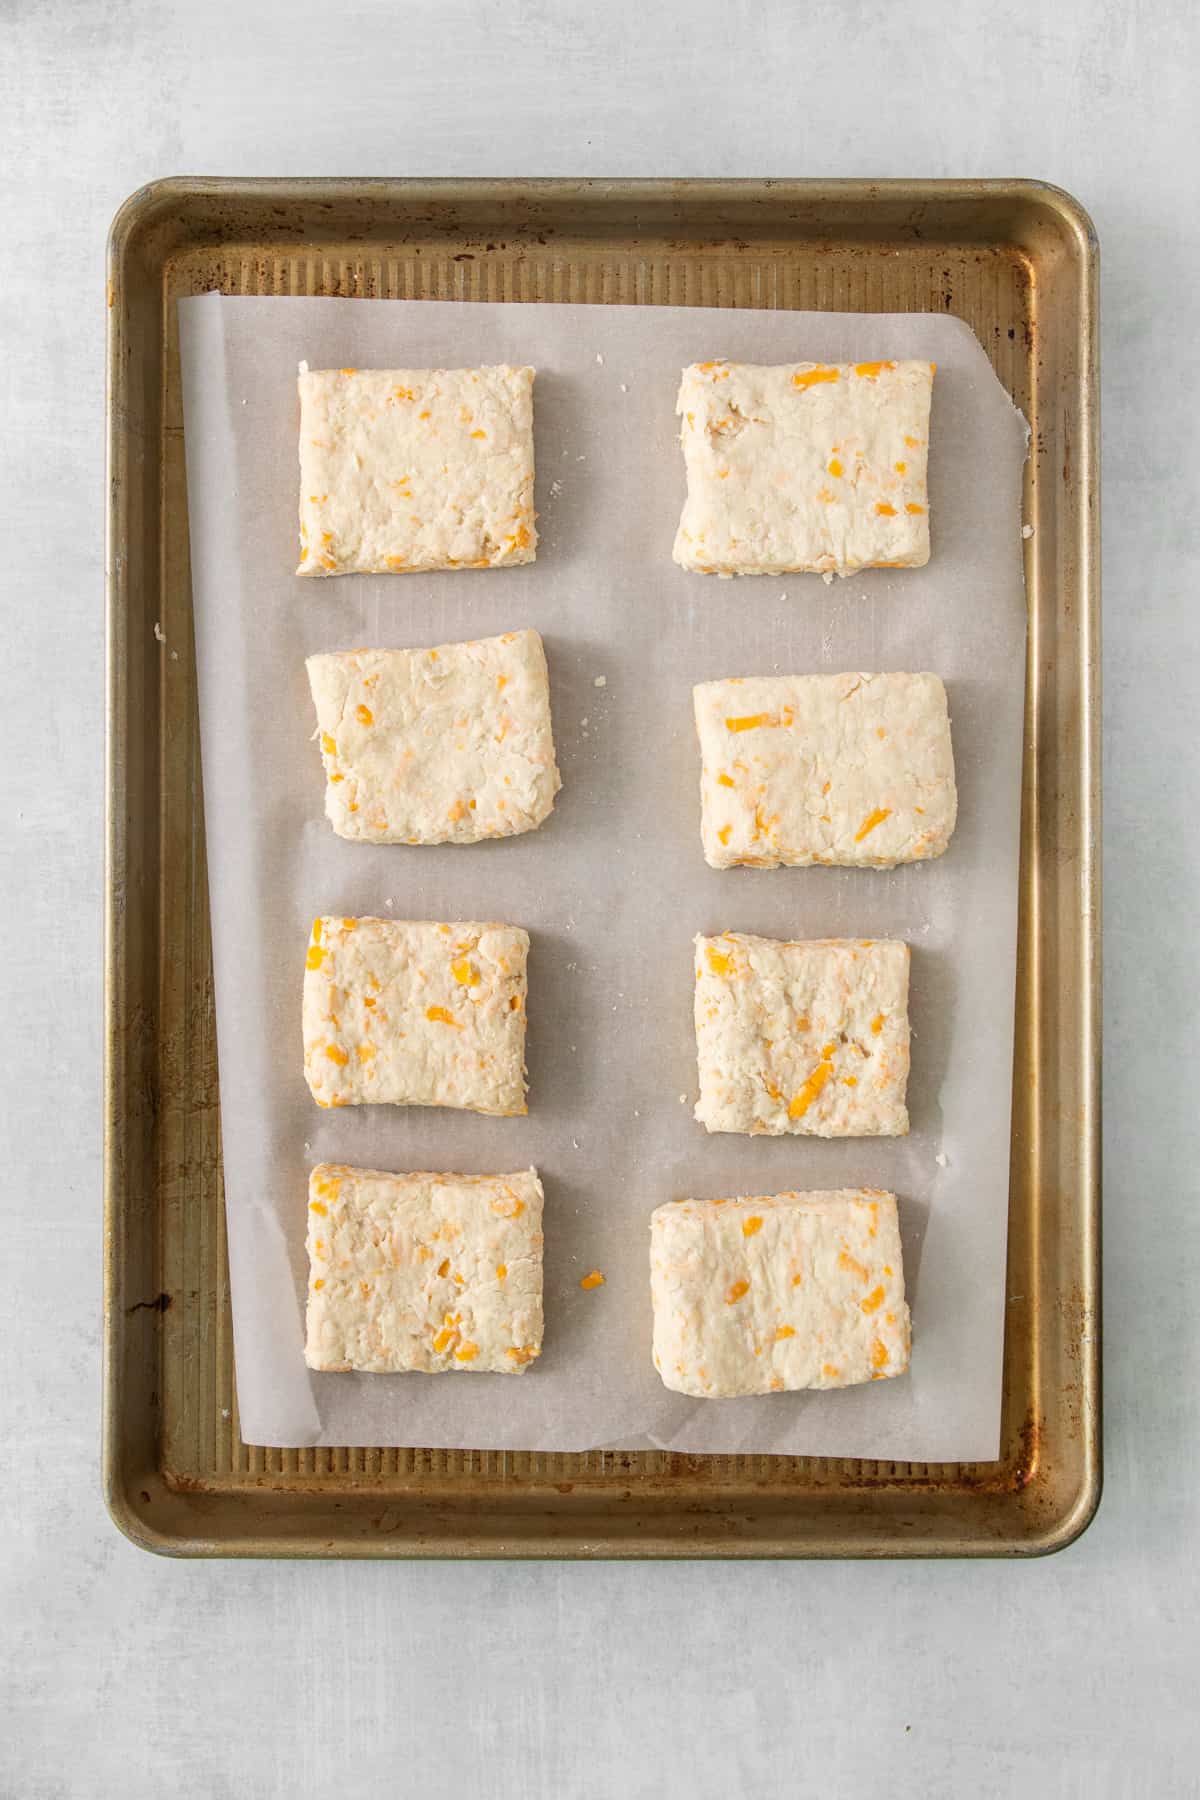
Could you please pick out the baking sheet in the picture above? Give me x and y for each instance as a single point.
(613, 886)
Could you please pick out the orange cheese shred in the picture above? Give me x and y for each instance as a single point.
(806, 378)
(751, 723)
(871, 821)
(813, 1086)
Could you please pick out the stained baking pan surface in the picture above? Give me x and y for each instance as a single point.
(1018, 262)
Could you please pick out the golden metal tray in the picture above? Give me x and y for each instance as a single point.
(1017, 261)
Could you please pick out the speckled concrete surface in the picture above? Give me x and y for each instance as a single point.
(125, 1676)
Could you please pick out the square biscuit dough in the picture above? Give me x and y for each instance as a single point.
(431, 1272)
(443, 746)
(855, 770)
(414, 1014)
(804, 466)
(415, 469)
(802, 1039)
(759, 1296)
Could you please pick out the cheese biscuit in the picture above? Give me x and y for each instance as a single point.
(853, 769)
(761, 1296)
(415, 1014)
(441, 746)
(802, 1039)
(432, 1272)
(817, 466)
(415, 469)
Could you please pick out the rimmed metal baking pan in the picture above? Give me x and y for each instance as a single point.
(1018, 261)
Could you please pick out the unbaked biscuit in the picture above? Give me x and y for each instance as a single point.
(758, 1296)
(802, 1039)
(415, 1014)
(852, 769)
(817, 466)
(442, 746)
(432, 1272)
(415, 469)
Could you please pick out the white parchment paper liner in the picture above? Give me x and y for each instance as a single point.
(614, 885)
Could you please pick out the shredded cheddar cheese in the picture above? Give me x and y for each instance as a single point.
(753, 723)
(814, 1085)
(871, 821)
(807, 378)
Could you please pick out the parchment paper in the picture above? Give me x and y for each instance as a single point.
(613, 887)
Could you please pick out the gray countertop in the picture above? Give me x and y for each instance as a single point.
(123, 1674)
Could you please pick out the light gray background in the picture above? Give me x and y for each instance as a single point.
(121, 1674)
